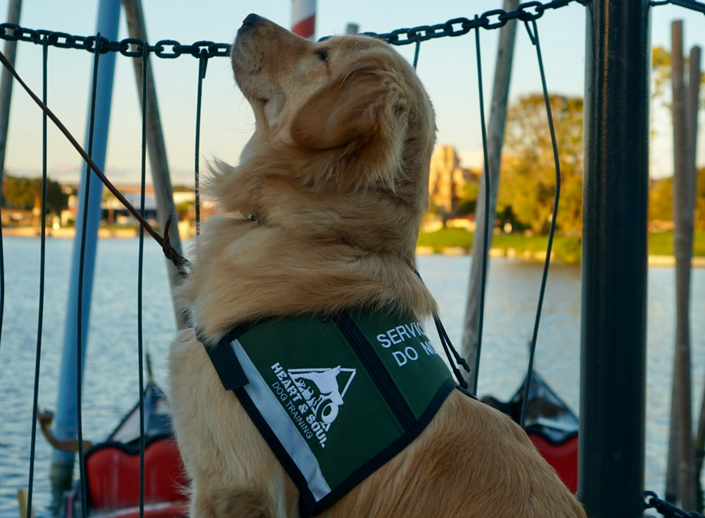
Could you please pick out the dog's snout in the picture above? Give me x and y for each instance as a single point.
(251, 20)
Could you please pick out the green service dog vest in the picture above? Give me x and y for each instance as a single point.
(334, 398)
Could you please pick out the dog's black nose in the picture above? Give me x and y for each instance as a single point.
(251, 20)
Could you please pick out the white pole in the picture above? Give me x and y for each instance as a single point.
(303, 18)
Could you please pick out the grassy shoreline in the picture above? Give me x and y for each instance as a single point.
(564, 248)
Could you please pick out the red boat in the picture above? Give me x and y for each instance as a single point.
(551, 425)
(112, 468)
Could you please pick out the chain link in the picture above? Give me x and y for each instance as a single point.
(170, 49)
(652, 501)
(131, 47)
(488, 20)
(688, 4)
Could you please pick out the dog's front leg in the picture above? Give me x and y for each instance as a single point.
(233, 472)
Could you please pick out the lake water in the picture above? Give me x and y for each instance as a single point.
(111, 377)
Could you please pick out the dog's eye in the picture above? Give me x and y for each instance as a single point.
(323, 54)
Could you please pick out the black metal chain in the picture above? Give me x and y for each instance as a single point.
(130, 47)
(489, 20)
(652, 501)
(688, 4)
(170, 49)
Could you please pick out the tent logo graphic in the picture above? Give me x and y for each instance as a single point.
(313, 396)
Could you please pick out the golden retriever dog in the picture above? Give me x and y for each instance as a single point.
(323, 215)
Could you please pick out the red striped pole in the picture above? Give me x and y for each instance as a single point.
(303, 18)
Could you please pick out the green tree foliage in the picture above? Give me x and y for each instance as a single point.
(468, 201)
(661, 199)
(26, 193)
(661, 76)
(528, 177)
(700, 201)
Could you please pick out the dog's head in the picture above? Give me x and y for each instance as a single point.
(344, 122)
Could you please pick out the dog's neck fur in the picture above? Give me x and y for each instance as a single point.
(332, 228)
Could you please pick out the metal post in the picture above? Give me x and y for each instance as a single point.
(614, 260)
(66, 411)
(13, 16)
(680, 454)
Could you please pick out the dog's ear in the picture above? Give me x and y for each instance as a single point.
(363, 113)
(341, 112)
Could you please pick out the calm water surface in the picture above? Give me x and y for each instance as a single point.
(111, 377)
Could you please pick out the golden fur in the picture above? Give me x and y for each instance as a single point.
(336, 180)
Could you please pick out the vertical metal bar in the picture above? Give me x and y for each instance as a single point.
(67, 408)
(614, 259)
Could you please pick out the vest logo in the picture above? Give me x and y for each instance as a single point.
(312, 397)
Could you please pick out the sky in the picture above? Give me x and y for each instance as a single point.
(447, 67)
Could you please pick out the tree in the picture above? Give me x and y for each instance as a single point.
(700, 201)
(26, 193)
(528, 183)
(468, 200)
(661, 199)
(661, 77)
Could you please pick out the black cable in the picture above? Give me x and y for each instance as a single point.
(140, 270)
(42, 265)
(534, 36)
(486, 228)
(687, 4)
(81, 268)
(454, 358)
(666, 508)
(416, 51)
(202, 63)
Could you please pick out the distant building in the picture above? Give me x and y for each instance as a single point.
(447, 178)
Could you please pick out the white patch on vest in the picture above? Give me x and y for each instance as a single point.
(312, 397)
(398, 335)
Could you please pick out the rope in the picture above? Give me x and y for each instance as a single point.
(180, 262)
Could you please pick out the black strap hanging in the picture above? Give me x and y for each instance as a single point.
(532, 29)
(486, 226)
(42, 270)
(202, 64)
(140, 272)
